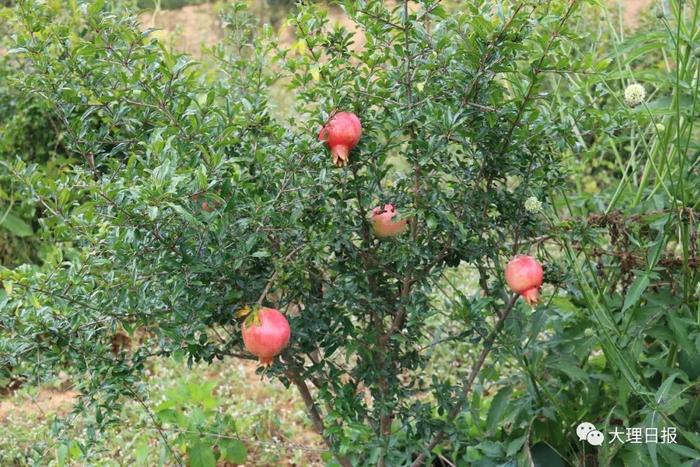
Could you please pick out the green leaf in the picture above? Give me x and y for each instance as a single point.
(95, 7)
(544, 456)
(635, 291)
(62, 455)
(234, 451)
(683, 450)
(666, 106)
(665, 388)
(680, 329)
(490, 448)
(689, 361)
(185, 214)
(651, 447)
(515, 445)
(173, 416)
(16, 226)
(568, 365)
(498, 406)
(201, 455)
(141, 452)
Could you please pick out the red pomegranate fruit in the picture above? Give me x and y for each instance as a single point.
(384, 222)
(524, 275)
(265, 334)
(341, 134)
(207, 206)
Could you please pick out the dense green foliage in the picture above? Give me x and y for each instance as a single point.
(109, 143)
(28, 129)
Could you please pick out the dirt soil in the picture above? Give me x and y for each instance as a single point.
(633, 9)
(44, 403)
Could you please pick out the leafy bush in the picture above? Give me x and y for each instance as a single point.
(27, 128)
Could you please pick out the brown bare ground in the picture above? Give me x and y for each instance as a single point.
(632, 10)
(44, 403)
(191, 28)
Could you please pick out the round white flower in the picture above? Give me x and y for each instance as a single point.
(533, 205)
(634, 94)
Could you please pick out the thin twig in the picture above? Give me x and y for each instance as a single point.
(158, 426)
(408, 282)
(383, 20)
(267, 288)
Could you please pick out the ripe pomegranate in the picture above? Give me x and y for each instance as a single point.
(206, 205)
(341, 134)
(265, 334)
(384, 224)
(524, 276)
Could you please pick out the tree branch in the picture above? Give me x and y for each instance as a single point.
(272, 278)
(158, 426)
(406, 285)
(476, 368)
(292, 372)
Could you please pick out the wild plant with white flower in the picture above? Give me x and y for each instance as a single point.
(533, 205)
(635, 94)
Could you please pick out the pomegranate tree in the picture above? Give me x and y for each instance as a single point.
(524, 276)
(265, 333)
(341, 134)
(373, 320)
